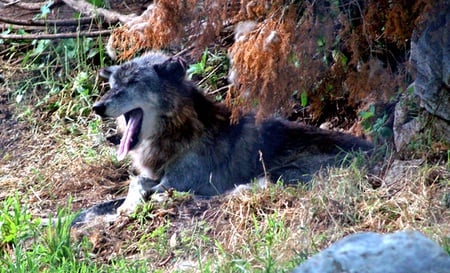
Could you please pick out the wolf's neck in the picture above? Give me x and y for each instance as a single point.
(183, 129)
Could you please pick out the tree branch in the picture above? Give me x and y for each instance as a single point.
(28, 6)
(54, 36)
(64, 22)
(90, 10)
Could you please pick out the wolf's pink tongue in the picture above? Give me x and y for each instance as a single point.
(130, 135)
(125, 142)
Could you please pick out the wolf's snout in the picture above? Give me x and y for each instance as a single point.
(99, 108)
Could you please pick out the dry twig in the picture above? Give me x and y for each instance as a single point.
(54, 36)
(24, 5)
(63, 22)
(88, 9)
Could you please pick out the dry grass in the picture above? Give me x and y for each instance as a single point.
(277, 224)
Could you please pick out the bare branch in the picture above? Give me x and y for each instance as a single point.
(90, 10)
(64, 22)
(54, 36)
(24, 5)
(26, 28)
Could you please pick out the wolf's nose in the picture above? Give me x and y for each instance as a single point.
(99, 108)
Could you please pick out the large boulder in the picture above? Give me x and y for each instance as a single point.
(430, 63)
(430, 59)
(368, 252)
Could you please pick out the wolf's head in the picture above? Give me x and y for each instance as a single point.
(139, 96)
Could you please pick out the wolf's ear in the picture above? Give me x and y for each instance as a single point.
(107, 71)
(174, 68)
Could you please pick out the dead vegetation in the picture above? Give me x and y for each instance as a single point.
(303, 59)
(354, 51)
(286, 224)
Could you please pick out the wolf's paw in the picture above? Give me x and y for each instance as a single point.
(140, 188)
(129, 206)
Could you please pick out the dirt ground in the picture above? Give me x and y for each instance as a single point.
(33, 144)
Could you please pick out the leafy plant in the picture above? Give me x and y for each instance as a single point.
(143, 212)
(48, 248)
(367, 115)
(16, 224)
(45, 10)
(210, 72)
(375, 126)
(57, 244)
(62, 75)
(200, 67)
(448, 159)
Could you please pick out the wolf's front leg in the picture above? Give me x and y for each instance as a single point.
(140, 188)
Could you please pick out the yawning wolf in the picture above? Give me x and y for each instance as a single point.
(178, 138)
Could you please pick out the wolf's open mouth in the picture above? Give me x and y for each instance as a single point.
(130, 136)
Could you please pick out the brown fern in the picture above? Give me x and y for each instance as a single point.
(354, 51)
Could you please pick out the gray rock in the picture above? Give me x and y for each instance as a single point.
(400, 252)
(430, 58)
(406, 122)
(412, 123)
(400, 172)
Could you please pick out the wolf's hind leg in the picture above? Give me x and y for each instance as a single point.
(140, 188)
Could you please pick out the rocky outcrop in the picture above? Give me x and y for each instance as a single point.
(407, 120)
(430, 63)
(400, 252)
(430, 57)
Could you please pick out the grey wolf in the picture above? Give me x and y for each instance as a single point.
(178, 138)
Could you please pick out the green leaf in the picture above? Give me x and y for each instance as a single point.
(368, 114)
(195, 69)
(97, 3)
(41, 46)
(304, 99)
(321, 41)
(45, 10)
